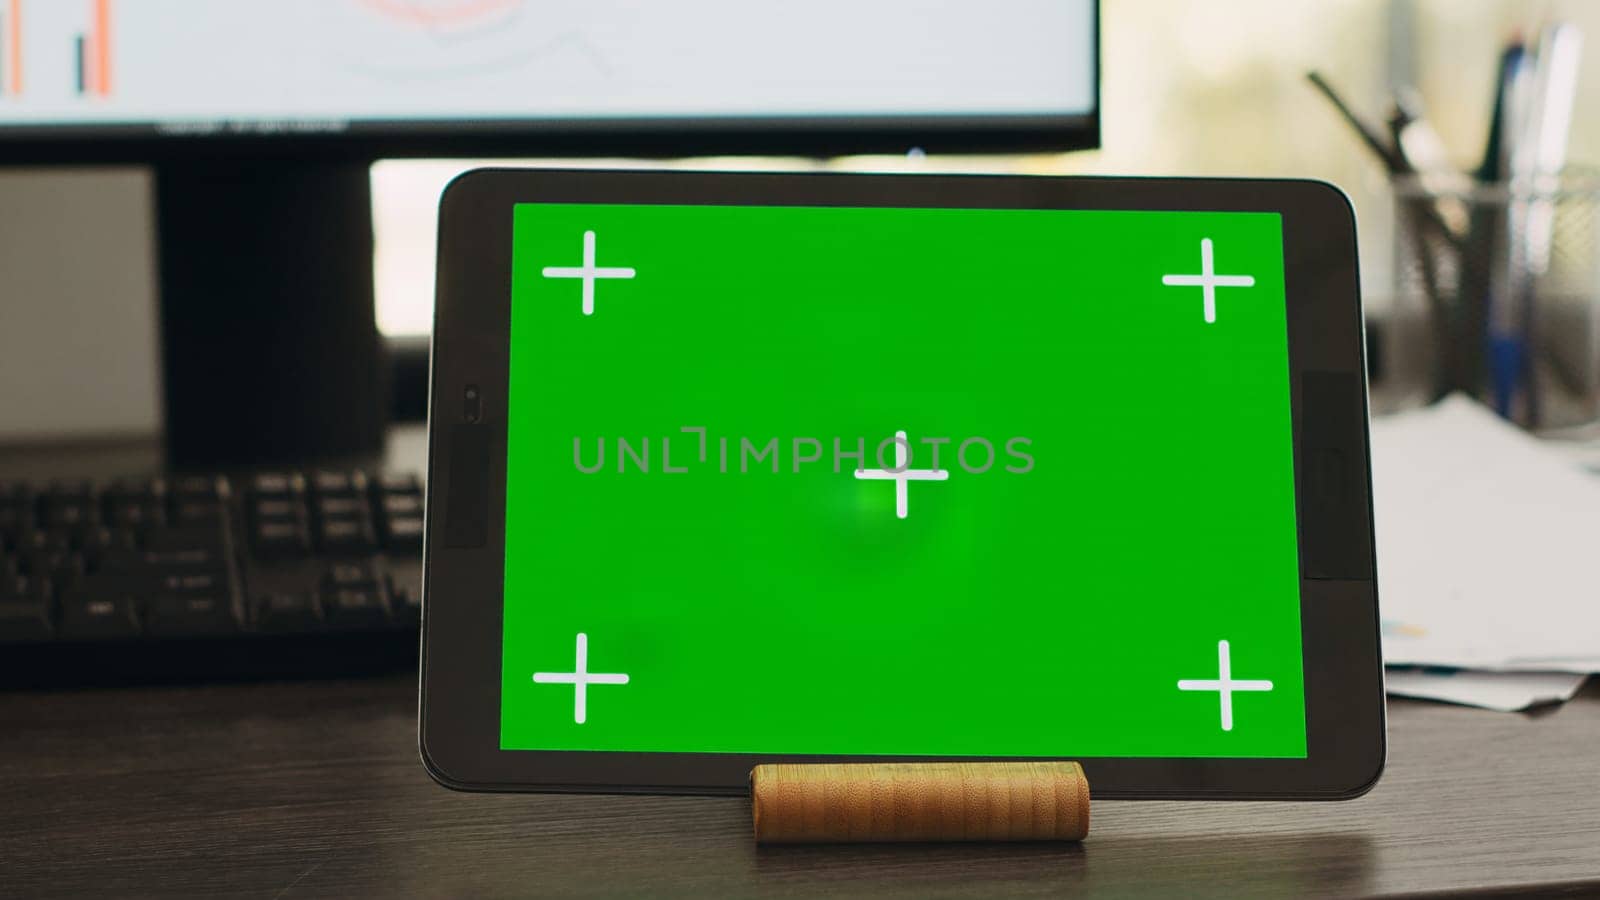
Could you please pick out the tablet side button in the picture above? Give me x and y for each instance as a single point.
(1336, 529)
(467, 505)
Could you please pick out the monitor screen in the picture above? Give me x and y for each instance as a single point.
(833, 480)
(226, 68)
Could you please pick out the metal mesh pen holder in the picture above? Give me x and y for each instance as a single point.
(1497, 295)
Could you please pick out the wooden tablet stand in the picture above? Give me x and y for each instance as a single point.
(875, 802)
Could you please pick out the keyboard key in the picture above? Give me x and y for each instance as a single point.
(331, 482)
(288, 612)
(278, 483)
(347, 536)
(55, 540)
(407, 602)
(25, 620)
(15, 520)
(196, 538)
(194, 582)
(189, 615)
(69, 490)
(203, 488)
(23, 586)
(399, 483)
(97, 540)
(87, 617)
(19, 495)
(405, 535)
(136, 585)
(136, 514)
(280, 539)
(356, 608)
(25, 608)
(198, 513)
(68, 513)
(56, 566)
(341, 507)
(47, 562)
(122, 540)
(144, 561)
(402, 504)
(283, 508)
(136, 489)
(353, 574)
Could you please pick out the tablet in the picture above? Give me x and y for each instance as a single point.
(738, 468)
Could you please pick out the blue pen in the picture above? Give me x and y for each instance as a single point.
(1506, 356)
(1506, 343)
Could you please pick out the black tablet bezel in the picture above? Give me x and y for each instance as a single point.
(461, 657)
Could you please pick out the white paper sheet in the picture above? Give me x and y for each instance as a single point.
(1488, 544)
(1503, 691)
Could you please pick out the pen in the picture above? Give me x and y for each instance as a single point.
(1548, 123)
(1424, 153)
(1502, 296)
(1492, 167)
(1484, 245)
(1388, 154)
(1425, 217)
(1393, 159)
(1547, 92)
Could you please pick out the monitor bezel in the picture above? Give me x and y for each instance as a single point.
(638, 138)
(463, 601)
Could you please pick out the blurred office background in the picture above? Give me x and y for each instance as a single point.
(1189, 88)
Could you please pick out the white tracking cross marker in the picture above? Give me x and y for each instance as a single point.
(580, 680)
(901, 475)
(588, 272)
(1224, 684)
(1208, 280)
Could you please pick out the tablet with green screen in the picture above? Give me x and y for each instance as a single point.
(740, 468)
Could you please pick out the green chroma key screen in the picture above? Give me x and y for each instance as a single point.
(727, 530)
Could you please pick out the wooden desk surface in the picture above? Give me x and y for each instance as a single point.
(314, 789)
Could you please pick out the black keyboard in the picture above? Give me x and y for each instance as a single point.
(280, 573)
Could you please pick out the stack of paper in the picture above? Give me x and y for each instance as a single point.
(1505, 691)
(1488, 558)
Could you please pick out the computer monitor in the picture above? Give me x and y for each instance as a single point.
(261, 119)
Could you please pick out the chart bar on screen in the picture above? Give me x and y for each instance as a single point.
(102, 47)
(13, 45)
